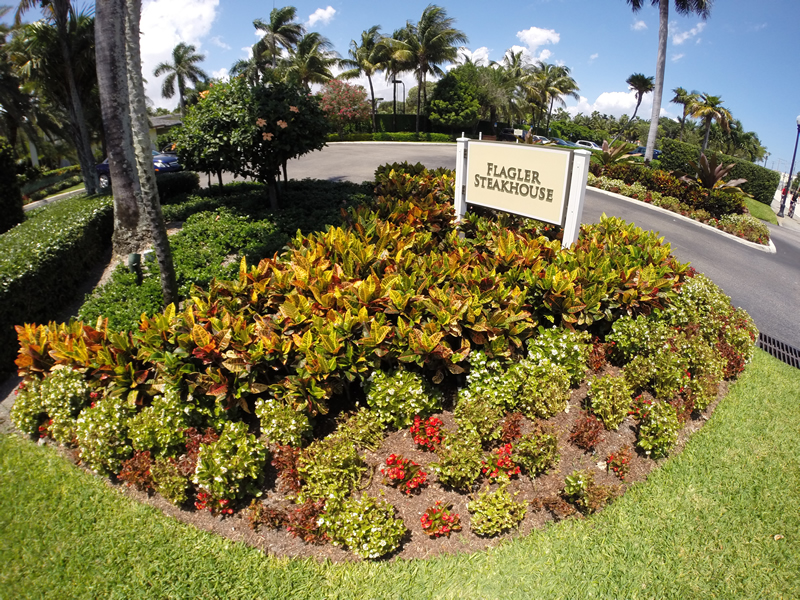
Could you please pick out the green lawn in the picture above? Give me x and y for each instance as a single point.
(761, 211)
(703, 526)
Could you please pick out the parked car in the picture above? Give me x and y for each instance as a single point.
(641, 150)
(506, 135)
(560, 142)
(588, 144)
(540, 139)
(162, 163)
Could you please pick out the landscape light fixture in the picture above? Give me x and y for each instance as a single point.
(791, 168)
(396, 81)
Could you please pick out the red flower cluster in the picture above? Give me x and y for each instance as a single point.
(428, 433)
(500, 463)
(214, 506)
(641, 407)
(438, 520)
(44, 429)
(620, 462)
(403, 473)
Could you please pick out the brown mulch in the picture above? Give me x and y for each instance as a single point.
(278, 542)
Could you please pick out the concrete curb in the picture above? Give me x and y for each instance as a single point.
(761, 247)
(386, 143)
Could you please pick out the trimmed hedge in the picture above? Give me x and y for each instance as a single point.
(50, 178)
(172, 185)
(761, 182)
(397, 136)
(44, 260)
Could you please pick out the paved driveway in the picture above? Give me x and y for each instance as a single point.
(766, 285)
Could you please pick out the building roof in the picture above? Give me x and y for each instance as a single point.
(165, 121)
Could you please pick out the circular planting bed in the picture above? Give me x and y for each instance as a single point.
(401, 386)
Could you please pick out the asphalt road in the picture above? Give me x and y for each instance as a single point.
(766, 285)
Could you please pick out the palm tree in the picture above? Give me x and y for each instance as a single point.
(685, 99)
(58, 12)
(709, 108)
(119, 73)
(280, 31)
(182, 70)
(683, 7)
(548, 85)
(368, 58)
(421, 47)
(312, 61)
(642, 85)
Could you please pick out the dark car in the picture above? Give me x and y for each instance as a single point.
(560, 142)
(641, 150)
(162, 163)
(506, 135)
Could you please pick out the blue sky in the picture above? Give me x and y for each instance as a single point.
(747, 51)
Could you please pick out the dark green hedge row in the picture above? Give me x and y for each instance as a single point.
(397, 136)
(761, 182)
(11, 212)
(55, 188)
(172, 185)
(49, 178)
(44, 260)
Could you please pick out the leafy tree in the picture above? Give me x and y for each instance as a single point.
(685, 99)
(367, 59)
(182, 70)
(548, 85)
(683, 7)
(58, 12)
(281, 31)
(119, 72)
(211, 136)
(421, 47)
(708, 109)
(344, 103)
(454, 101)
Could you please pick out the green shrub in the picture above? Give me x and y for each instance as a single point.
(330, 469)
(745, 226)
(50, 178)
(44, 260)
(640, 336)
(172, 185)
(567, 349)
(231, 467)
(491, 380)
(365, 525)
(536, 452)
(363, 428)
(492, 513)
(479, 417)
(610, 399)
(658, 430)
(159, 428)
(707, 369)
(55, 188)
(54, 402)
(544, 392)
(102, 433)
(761, 182)
(460, 460)
(398, 396)
(169, 481)
(581, 490)
(282, 424)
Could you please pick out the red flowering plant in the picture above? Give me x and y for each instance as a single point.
(620, 462)
(404, 474)
(344, 103)
(640, 407)
(427, 433)
(500, 464)
(438, 520)
(216, 506)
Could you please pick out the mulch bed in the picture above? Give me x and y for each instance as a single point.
(279, 542)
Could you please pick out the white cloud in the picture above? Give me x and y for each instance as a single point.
(678, 37)
(535, 37)
(677, 57)
(166, 23)
(321, 15)
(527, 56)
(479, 56)
(593, 57)
(222, 74)
(615, 104)
(217, 41)
(639, 26)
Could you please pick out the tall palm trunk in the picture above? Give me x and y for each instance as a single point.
(129, 231)
(419, 96)
(705, 139)
(148, 191)
(77, 121)
(374, 108)
(658, 90)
